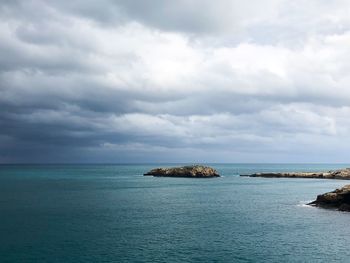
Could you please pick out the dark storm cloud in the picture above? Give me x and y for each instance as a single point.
(114, 81)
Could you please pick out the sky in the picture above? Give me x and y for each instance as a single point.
(174, 81)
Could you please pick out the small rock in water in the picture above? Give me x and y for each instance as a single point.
(195, 171)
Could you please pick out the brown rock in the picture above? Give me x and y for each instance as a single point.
(337, 174)
(338, 199)
(195, 171)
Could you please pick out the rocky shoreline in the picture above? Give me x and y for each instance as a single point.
(194, 171)
(343, 174)
(338, 199)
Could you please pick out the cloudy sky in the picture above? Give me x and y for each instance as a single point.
(174, 81)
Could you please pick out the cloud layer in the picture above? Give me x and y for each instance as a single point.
(178, 81)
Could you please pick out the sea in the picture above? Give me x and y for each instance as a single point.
(112, 213)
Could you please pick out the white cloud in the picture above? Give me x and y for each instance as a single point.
(270, 85)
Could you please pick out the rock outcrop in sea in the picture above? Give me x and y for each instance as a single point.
(195, 171)
(337, 174)
(338, 199)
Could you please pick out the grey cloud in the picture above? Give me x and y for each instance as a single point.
(123, 81)
(179, 16)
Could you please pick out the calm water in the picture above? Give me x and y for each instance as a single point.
(111, 213)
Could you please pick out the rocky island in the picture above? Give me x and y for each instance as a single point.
(343, 174)
(194, 171)
(338, 199)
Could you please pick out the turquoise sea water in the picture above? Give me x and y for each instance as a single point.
(111, 213)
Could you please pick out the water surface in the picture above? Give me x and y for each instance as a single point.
(111, 213)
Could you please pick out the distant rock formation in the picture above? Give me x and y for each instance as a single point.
(338, 174)
(338, 199)
(195, 171)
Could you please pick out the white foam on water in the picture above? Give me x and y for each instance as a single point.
(305, 203)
